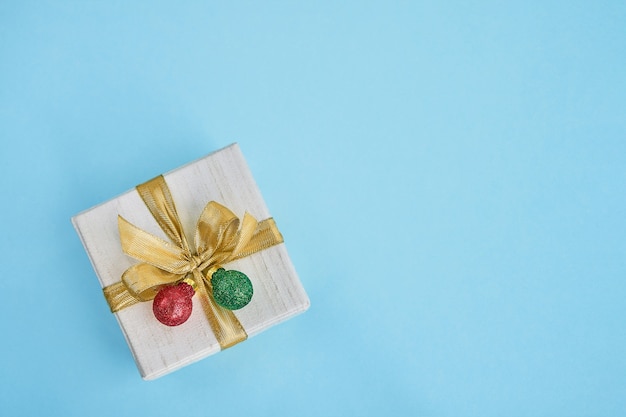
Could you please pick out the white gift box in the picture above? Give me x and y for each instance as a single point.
(224, 177)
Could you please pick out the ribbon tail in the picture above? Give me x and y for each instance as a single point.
(226, 327)
(118, 297)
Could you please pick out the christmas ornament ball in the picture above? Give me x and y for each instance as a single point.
(231, 289)
(172, 305)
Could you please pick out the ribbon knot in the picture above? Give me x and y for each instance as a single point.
(220, 237)
(195, 262)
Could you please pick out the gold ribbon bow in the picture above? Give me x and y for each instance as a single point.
(220, 237)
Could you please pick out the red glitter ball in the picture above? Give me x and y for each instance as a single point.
(172, 304)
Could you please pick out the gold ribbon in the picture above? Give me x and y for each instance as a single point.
(220, 237)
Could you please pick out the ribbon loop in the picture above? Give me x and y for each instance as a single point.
(143, 281)
(220, 237)
(150, 249)
(215, 225)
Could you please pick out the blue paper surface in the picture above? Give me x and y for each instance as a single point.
(450, 180)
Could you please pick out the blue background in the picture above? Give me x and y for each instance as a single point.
(450, 179)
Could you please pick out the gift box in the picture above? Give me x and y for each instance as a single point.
(122, 236)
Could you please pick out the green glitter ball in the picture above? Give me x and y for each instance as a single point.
(231, 289)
